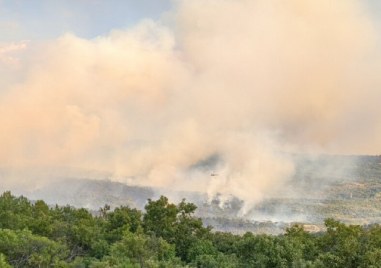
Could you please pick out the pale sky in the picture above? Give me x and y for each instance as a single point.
(45, 19)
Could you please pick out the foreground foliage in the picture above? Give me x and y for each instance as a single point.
(32, 234)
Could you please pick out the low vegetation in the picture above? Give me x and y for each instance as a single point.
(32, 234)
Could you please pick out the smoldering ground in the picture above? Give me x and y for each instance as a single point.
(244, 80)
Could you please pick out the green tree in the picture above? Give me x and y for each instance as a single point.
(140, 250)
(187, 229)
(121, 219)
(372, 258)
(299, 245)
(79, 230)
(42, 220)
(160, 218)
(3, 262)
(341, 245)
(225, 242)
(15, 212)
(24, 249)
(174, 223)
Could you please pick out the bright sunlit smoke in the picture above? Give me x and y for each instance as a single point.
(243, 80)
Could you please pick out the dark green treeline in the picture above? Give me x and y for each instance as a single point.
(32, 234)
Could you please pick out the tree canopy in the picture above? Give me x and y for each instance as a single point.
(33, 234)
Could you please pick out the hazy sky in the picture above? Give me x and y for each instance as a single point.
(41, 19)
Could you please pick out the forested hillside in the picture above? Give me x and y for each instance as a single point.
(32, 234)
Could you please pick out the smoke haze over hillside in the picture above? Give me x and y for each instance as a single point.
(244, 82)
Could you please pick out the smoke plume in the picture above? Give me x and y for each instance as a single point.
(241, 83)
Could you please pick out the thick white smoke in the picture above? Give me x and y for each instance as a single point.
(242, 80)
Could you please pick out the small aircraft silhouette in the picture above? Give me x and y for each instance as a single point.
(213, 174)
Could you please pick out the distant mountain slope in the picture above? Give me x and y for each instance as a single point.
(93, 194)
(347, 188)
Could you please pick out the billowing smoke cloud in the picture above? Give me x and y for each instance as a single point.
(242, 82)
